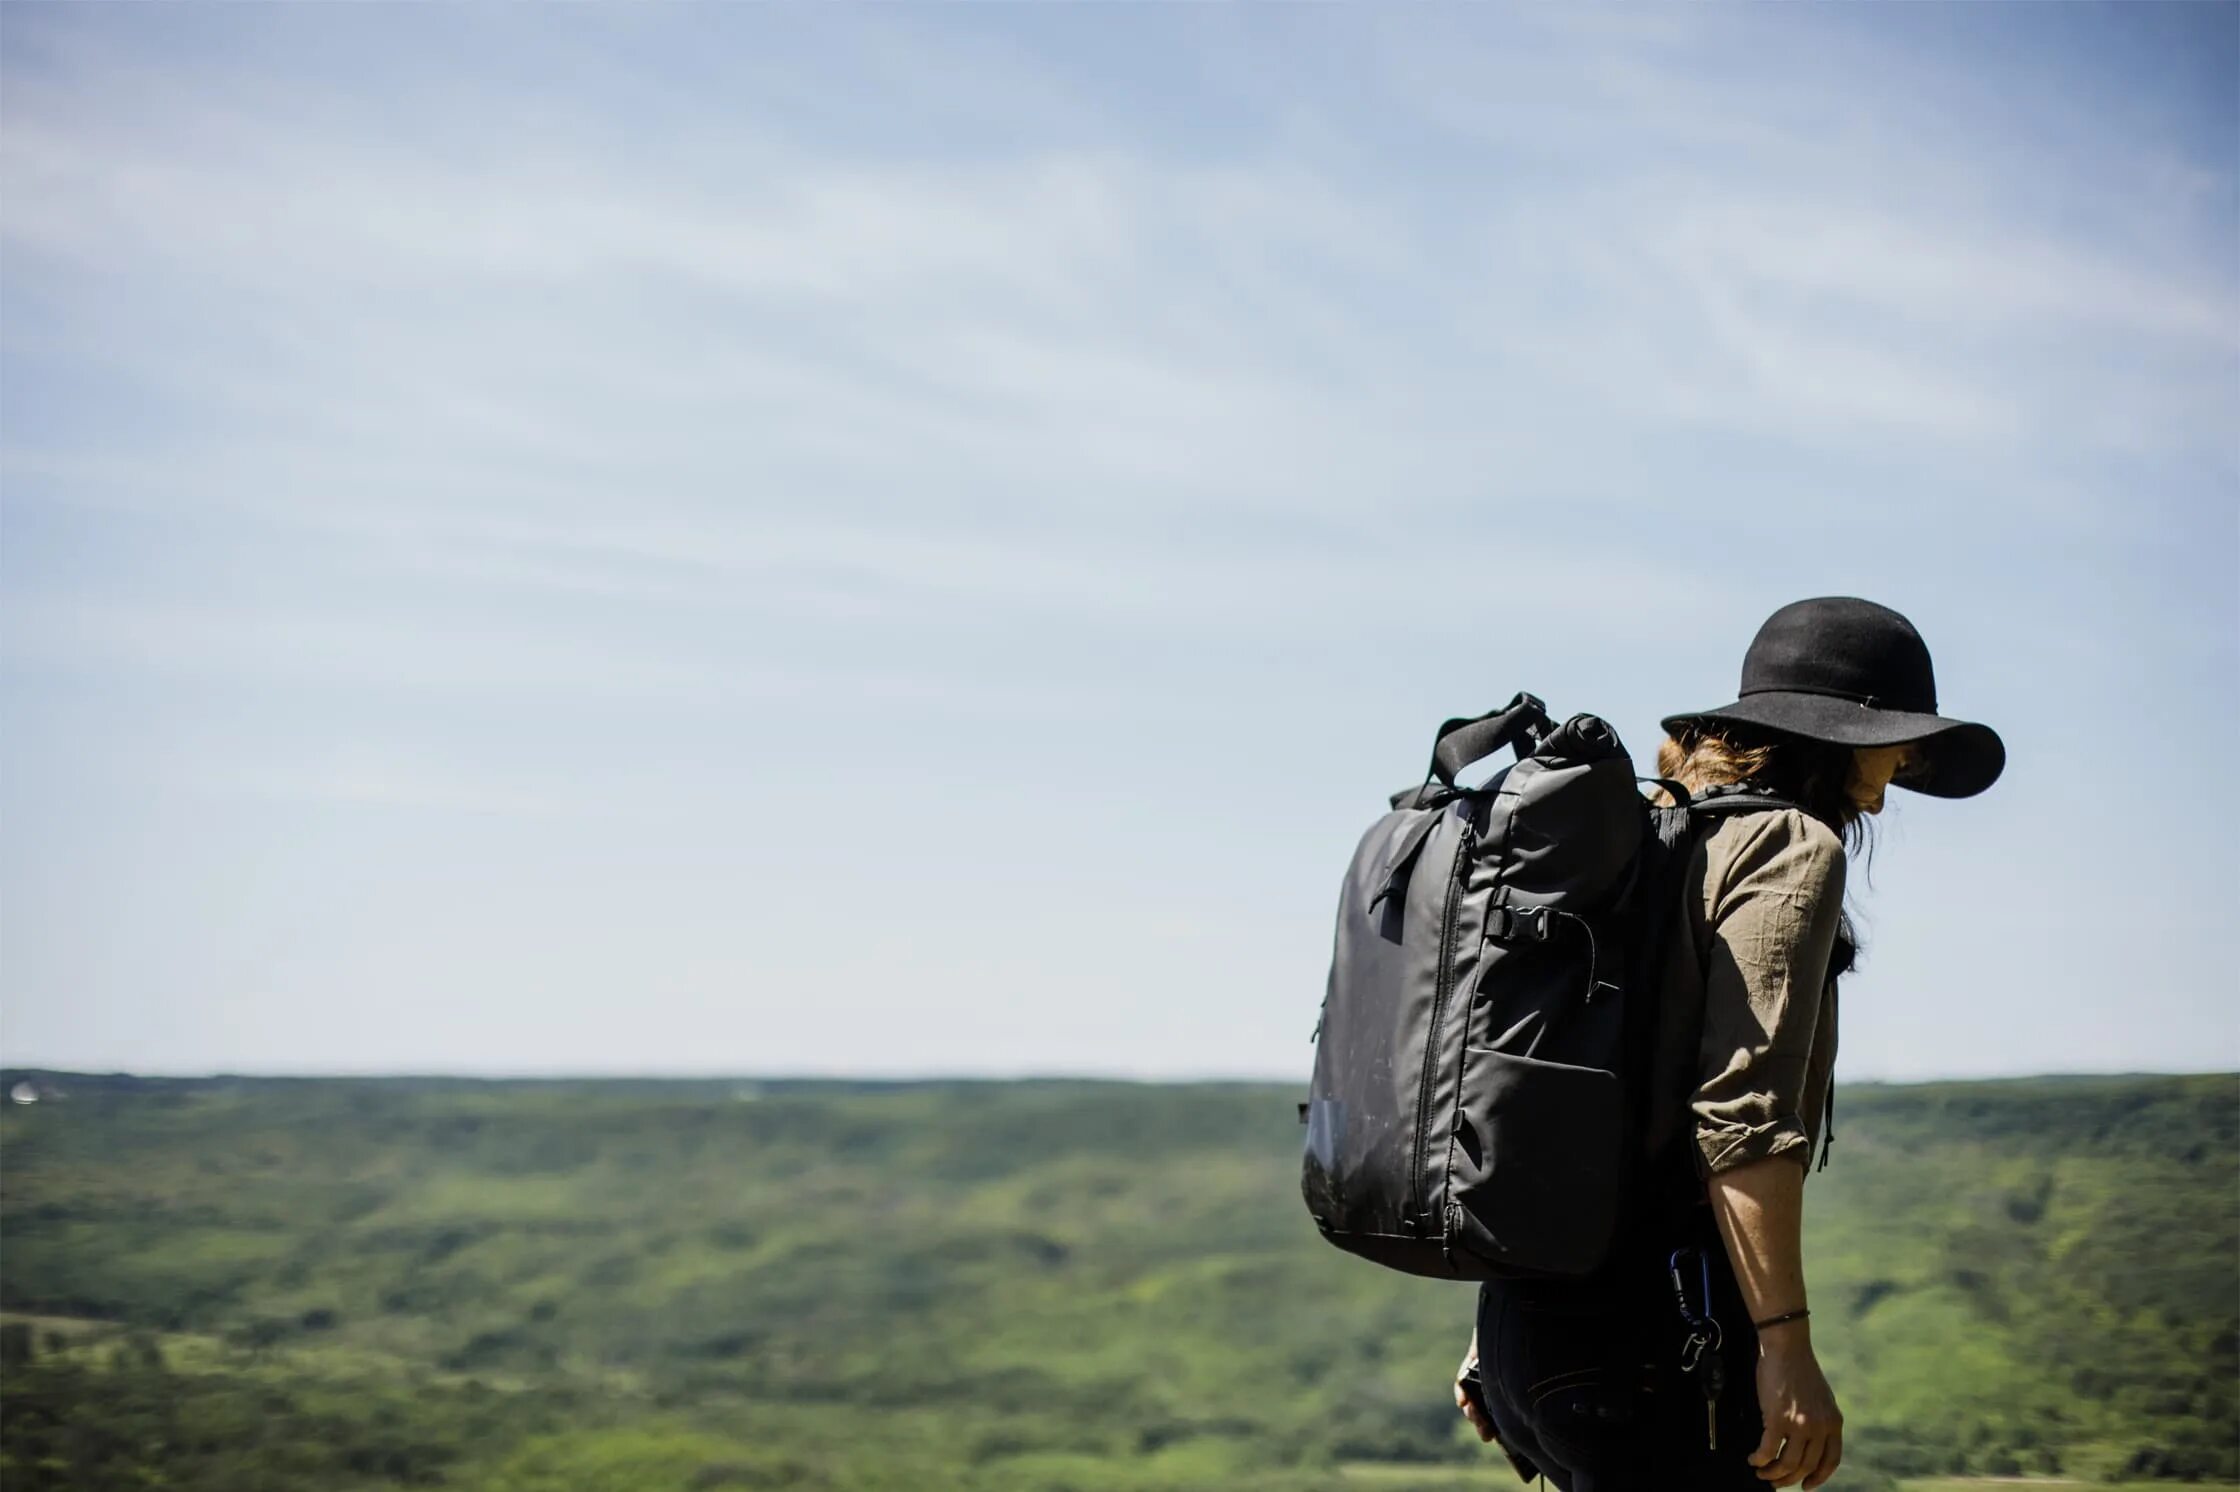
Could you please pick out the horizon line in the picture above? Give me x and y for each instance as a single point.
(17, 1070)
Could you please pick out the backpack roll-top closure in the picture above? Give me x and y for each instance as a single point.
(1577, 820)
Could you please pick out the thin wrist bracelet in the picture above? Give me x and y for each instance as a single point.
(1785, 1316)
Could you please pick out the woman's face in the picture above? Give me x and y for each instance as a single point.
(1872, 767)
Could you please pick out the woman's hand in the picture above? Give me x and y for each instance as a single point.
(1804, 1430)
(1472, 1406)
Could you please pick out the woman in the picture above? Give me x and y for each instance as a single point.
(1687, 1362)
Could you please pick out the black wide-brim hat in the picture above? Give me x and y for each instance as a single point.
(1849, 672)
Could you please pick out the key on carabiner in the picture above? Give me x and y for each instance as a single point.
(1714, 1370)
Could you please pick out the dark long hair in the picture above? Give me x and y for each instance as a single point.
(1814, 775)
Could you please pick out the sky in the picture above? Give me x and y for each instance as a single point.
(913, 540)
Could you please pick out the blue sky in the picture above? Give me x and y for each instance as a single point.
(912, 540)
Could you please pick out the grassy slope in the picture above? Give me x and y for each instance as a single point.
(1039, 1284)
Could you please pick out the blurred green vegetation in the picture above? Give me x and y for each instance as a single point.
(575, 1286)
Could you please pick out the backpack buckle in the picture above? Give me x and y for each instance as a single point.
(1505, 924)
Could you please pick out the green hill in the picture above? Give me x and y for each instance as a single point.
(267, 1283)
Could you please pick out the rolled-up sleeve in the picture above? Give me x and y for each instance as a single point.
(1771, 915)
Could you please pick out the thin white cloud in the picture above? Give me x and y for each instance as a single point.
(1136, 306)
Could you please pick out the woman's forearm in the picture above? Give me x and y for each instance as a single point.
(1760, 1208)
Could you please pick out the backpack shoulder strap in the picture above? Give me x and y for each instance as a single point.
(1737, 797)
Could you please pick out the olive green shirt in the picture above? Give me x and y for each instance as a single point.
(1761, 903)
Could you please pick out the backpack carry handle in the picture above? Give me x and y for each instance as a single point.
(1519, 723)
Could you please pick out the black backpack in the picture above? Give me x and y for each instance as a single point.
(1482, 1061)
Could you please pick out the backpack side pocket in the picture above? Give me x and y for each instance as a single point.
(1538, 1162)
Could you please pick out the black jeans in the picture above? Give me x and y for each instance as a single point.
(1583, 1379)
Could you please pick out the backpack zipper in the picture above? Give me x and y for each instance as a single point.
(1439, 992)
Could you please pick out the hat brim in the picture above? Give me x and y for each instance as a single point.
(1953, 759)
